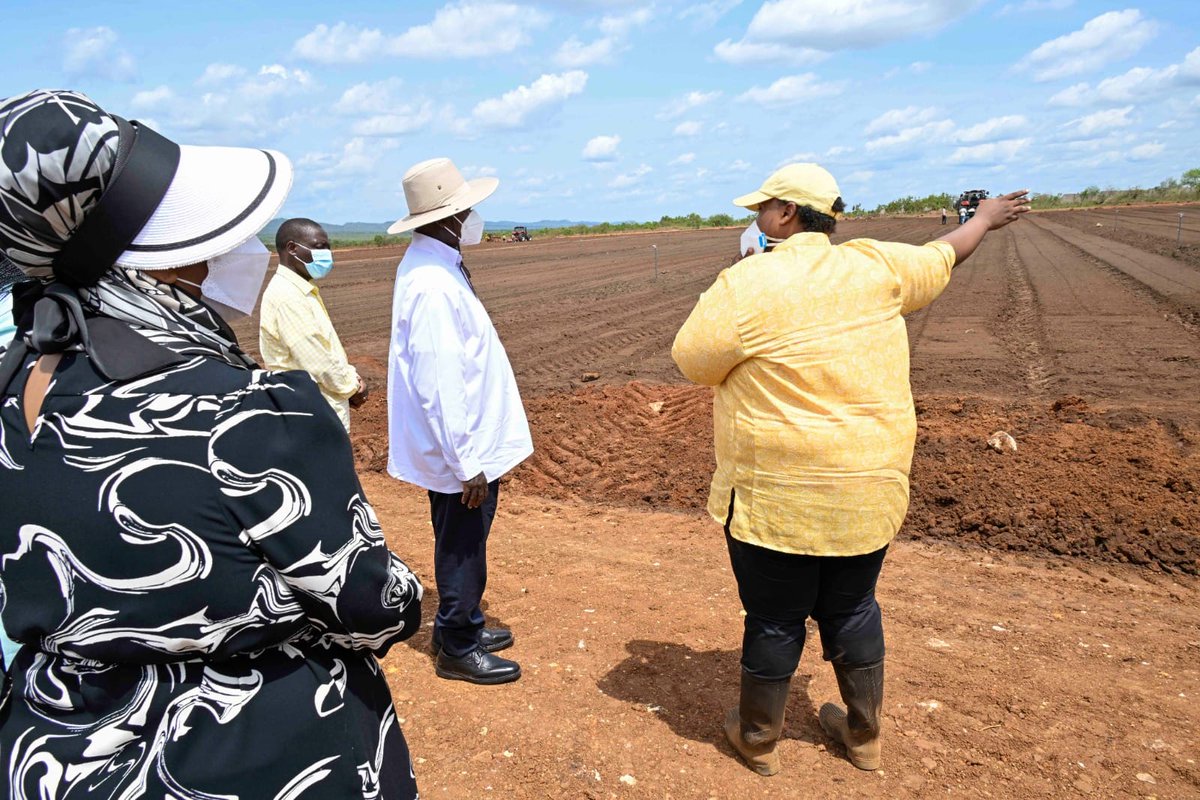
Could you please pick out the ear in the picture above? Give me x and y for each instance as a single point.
(167, 276)
(788, 213)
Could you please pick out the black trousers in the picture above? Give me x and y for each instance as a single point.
(460, 566)
(779, 591)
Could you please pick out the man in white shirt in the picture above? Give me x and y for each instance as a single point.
(455, 419)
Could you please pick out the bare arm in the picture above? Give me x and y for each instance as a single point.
(991, 215)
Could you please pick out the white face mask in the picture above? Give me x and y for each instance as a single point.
(472, 230)
(753, 240)
(235, 278)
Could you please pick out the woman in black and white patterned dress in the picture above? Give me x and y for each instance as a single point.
(198, 584)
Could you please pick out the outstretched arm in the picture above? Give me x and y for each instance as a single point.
(991, 215)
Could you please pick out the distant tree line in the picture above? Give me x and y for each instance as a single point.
(1173, 190)
(1185, 187)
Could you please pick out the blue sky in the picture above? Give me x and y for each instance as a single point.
(632, 109)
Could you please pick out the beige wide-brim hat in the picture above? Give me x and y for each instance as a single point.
(802, 184)
(435, 189)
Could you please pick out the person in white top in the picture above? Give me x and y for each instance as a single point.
(455, 419)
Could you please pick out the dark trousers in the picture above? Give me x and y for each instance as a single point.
(779, 591)
(460, 566)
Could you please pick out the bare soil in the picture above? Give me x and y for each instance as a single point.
(1041, 606)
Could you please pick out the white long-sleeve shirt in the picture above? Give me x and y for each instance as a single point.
(453, 406)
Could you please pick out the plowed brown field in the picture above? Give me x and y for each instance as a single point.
(1041, 607)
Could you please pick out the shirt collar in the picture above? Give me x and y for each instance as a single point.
(440, 250)
(303, 284)
(804, 239)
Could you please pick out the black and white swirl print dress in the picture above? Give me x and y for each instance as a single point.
(201, 591)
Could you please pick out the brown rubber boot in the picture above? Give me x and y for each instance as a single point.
(754, 726)
(858, 726)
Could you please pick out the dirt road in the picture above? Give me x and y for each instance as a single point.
(1040, 607)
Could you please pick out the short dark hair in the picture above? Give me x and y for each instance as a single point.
(816, 222)
(291, 230)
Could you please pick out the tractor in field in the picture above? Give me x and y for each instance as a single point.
(520, 234)
(968, 203)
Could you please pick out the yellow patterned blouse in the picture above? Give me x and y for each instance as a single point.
(813, 415)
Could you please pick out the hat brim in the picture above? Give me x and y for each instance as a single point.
(752, 200)
(469, 194)
(219, 198)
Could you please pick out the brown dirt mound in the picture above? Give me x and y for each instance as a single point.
(1106, 485)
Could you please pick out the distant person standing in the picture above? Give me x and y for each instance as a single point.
(962, 215)
(943, 216)
(295, 331)
(814, 432)
(455, 419)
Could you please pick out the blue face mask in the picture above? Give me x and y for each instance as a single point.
(321, 264)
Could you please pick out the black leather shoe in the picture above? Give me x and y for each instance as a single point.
(477, 666)
(492, 640)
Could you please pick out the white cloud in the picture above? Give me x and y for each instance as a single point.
(682, 105)
(898, 118)
(861, 176)
(368, 98)
(1144, 152)
(797, 158)
(358, 156)
(682, 159)
(920, 67)
(1035, 6)
(339, 44)
(738, 166)
(793, 89)
(458, 30)
(627, 179)
(220, 73)
(1136, 85)
(707, 14)
(152, 98)
(689, 128)
(1110, 37)
(993, 129)
(621, 24)
(513, 108)
(273, 80)
(745, 52)
(93, 51)
(574, 53)
(469, 30)
(1075, 95)
(838, 150)
(397, 122)
(929, 133)
(601, 148)
(991, 153)
(797, 28)
(1102, 121)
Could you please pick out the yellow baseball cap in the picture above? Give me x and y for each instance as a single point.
(802, 184)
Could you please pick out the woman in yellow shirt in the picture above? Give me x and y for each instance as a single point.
(814, 430)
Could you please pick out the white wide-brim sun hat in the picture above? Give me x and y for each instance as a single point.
(218, 199)
(435, 190)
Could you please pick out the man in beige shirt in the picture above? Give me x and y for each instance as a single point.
(295, 331)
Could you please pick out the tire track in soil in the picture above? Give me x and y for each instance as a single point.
(636, 445)
(1020, 320)
(1186, 315)
(1104, 337)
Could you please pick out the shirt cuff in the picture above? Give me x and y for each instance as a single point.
(468, 469)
